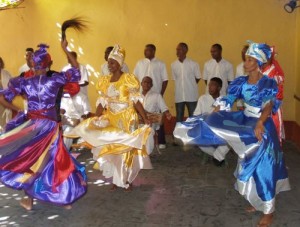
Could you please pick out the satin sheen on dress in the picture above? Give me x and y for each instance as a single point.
(261, 172)
(33, 156)
(120, 146)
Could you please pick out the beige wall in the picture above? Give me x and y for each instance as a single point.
(133, 23)
(297, 62)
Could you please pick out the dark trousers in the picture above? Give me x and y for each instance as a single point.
(161, 135)
(180, 106)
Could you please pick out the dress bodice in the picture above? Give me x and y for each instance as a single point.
(255, 96)
(119, 91)
(40, 91)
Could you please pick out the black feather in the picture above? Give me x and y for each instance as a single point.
(77, 23)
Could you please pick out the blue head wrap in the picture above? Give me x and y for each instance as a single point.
(260, 51)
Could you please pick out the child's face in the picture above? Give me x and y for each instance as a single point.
(213, 88)
(146, 84)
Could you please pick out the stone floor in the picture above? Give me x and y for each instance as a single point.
(179, 191)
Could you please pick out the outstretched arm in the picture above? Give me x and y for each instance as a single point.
(139, 107)
(73, 61)
(8, 105)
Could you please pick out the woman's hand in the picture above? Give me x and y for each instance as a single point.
(259, 130)
(168, 115)
(64, 44)
(147, 121)
(217, 109)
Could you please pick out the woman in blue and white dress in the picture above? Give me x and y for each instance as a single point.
(261, 171)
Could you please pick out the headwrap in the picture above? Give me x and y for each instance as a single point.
(260, 51)
(118, 54)
(41, 57)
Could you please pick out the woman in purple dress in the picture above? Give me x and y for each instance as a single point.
(33, 156)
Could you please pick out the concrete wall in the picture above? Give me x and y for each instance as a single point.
(133, 23)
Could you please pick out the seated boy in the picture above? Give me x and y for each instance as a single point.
(153, 103)
(205, 106)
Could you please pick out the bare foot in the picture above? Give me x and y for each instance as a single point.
(27, 203)
(265, 221)
(250, 209)
(113, 188)
(129, 189)
(68, 207)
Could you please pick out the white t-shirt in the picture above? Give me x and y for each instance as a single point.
(5, 114)
(75, 106)
(222, 70)
(153, 102)
(105, 71)
(185, 74)
(83, 90)
(240, 70)
(23, 68)
(205, 105)
(154, 68)
(5, 77)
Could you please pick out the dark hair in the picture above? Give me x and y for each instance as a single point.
(74, 54)
(110, 48)
(217, 80)
(218, 46)
(246, 46)
(29, 49)
(184, 45)
(152, 46)
(1, 63)
(148, 78)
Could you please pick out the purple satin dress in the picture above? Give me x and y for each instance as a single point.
(33, 157)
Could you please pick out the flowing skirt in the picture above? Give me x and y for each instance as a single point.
(119, 154)
(33, 158)
(261, 171)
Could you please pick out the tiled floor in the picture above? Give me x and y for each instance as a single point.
(179, 191)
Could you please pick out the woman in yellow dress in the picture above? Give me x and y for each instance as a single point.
(120, 146)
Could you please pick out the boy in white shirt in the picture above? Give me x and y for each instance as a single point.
(153, 102)
(74, 109)
(205, 106)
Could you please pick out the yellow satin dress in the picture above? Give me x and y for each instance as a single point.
(119, 145)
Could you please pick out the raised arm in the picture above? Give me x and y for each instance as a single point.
(73, 61)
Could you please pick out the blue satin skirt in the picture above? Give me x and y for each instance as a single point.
(261, 172)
